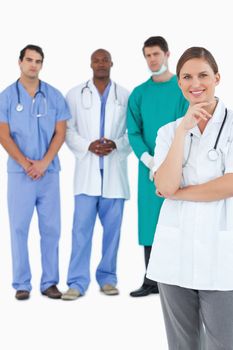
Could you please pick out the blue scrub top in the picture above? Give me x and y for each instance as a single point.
(103, 99)
(32, 134)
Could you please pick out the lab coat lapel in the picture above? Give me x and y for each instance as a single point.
(95, 111)
(109, 109)
(110, 112)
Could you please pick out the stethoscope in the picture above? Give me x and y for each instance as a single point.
(90, 102)
(20, 107)
(213, 153)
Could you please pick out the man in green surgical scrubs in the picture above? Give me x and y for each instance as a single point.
(152, 104)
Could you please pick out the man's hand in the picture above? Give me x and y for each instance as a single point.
(102, 147)
(107, 146)
(36, 169)
(25, 163)
(94, 147)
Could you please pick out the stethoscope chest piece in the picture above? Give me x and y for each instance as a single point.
(19, 107)
(213, 154)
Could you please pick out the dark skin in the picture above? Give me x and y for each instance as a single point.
(102, 147)
(101, 63)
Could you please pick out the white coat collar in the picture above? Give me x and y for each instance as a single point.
(93, 87)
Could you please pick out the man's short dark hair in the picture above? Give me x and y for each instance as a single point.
(156, 41)
(33, 48)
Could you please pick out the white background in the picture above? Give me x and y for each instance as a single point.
(69, 31)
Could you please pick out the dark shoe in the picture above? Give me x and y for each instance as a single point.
(52, 292)
(145, 290)
(22, 294)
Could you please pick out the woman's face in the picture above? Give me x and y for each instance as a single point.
(197, 81)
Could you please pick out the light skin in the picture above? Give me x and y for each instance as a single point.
(197, 81)
(155, 58)
(30, 67)
(101, 64)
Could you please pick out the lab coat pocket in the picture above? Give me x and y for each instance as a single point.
(225, 258)
(167, 252)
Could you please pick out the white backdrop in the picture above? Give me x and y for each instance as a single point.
(69, 31)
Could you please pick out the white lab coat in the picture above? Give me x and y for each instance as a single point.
(193, 244)
(84, 128)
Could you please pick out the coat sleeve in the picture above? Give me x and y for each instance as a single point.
(229, 156)
(122, 142)
(123, 146)
(163, 143)
(77, 144)
(135, 124)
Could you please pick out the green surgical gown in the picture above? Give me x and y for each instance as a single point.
(151, 105)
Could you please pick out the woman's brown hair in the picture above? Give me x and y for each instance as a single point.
(196, 52)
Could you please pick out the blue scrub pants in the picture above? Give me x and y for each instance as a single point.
(23, 195)
(110, 212)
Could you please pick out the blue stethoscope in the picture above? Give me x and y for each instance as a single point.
(40, 111)
(213, 153)
(88, 89)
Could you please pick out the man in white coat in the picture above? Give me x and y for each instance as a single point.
(97, 136)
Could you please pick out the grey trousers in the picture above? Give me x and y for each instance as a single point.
(185, 309)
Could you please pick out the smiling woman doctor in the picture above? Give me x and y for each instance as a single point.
(192, 254)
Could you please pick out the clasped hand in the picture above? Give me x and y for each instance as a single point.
(35, 168)
(102, 147)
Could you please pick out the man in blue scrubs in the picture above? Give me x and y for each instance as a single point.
(33, 118)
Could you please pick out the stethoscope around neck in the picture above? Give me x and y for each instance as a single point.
(90, 101)
(20, 106)
(213, 153)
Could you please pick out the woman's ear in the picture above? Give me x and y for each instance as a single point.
(217, 77)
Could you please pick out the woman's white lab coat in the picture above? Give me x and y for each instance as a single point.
(193, 244)
(84, 128)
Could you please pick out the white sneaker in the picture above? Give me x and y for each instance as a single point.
(71, 294)
(108, 289)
